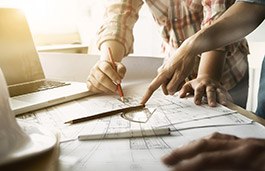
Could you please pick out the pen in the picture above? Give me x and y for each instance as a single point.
(127, 134)
(105, 114)
(115, 68)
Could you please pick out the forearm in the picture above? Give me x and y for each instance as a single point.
(238, 21)
(211, 64)
(117, 49)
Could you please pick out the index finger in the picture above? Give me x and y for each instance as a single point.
(153, 86)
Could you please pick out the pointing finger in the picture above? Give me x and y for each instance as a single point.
(155, 84)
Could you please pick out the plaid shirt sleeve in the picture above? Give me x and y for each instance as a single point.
(213, 9)
(119, 19)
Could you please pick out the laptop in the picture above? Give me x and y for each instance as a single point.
(28, 88)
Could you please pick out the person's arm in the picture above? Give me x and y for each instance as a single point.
(239, 20)
(207, 82)
(211, 65)
(116, 34)
(219, 152)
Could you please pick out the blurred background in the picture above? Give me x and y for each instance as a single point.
(57, 24)
(69, 26)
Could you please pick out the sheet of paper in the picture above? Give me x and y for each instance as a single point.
(170, 110)
(224, 120)
(134, 153)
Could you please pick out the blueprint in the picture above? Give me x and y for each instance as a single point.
(189, 121)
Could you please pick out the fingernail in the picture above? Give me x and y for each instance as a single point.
(171, 93)
(165, 158)
(118, 81)
(213, 104)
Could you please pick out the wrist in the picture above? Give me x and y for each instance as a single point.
(117, 50)
(208, 77)
(192, 44)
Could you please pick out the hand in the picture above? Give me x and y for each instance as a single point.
(103, 78)
(172, 73)
(205, 86)
(219, 152)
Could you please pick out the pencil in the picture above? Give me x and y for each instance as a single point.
(105, 114)
(115, 68)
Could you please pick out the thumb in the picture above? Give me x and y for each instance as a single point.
(186, 88)
(121, 69)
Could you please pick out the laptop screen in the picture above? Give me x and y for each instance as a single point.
(19, 59)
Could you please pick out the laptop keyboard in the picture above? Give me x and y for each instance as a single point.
(34, 87)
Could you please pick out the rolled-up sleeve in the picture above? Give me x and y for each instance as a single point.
(119, 19)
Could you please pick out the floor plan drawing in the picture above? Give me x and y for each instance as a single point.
(144, 153)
